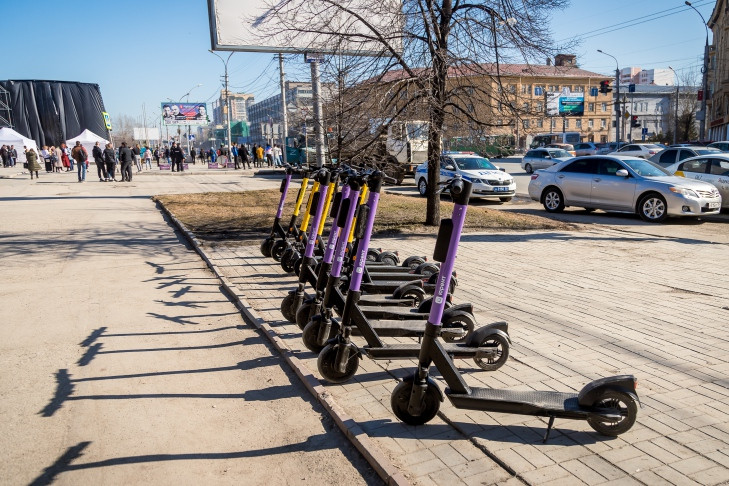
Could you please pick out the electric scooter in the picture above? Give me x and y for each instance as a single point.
(282, 246)
(279, 246)
(607, 404)
(277, 230)
(339, 359)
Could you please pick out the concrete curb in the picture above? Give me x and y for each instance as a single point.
(379, 462)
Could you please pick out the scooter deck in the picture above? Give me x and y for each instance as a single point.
(524, 402)
(404, 276)
(389, 311)
(376, 300)
(410, 351)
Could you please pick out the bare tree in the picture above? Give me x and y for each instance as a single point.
(431, 52)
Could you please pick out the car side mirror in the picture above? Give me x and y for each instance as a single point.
(622, 173)
(502, 169)
(547, 156)
(450, 167)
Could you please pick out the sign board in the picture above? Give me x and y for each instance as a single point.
(313, 57)
(644, 131)
(107, 120)
(564, 103)
(298, 26)
(179, 113)
(191, 138)
(149, 133)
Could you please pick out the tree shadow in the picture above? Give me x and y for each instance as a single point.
(97, 333)
(95, 350)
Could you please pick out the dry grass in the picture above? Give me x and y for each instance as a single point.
(220, 216)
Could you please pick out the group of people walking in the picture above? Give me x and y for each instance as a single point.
(9, 155)
(242, 155)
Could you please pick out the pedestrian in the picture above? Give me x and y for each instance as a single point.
(46, 159)
(67, 154)
(110, 162)
(278, 161)
(148, 158)
(167, 155)
(56, 157)
(234, 154)
(213, 155)
(98, 156)
(193, 155)
(80, 155)
(245, 156)
(259, 155)
(4, 154)
(178, 157)
(126, 159)
(33, 165)
(269, 155)
(137, 153)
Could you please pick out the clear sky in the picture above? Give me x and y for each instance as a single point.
(143, 52)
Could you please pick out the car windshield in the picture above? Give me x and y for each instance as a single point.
(646, 168)
(474, 163)
(707, 150)
(559, 153)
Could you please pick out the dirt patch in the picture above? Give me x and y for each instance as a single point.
(220, 216)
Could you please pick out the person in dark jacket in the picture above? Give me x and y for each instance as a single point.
(98, 156)
(126, 158)
(33, 165)
(244, 156)
(178, 157)
(110, 162)
(193, 154)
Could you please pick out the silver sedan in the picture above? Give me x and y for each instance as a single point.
(541, 158)
(621, 183)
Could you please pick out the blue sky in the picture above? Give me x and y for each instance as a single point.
(143, 52)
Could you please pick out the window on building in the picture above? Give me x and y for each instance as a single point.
(540, 123)
(591, 107)
(591, 123)
(603, 107)
(525, 123)
(512, 88)
(566, 123)
(602, 123)
(578, 123)
(526, 88)
(525, 107)
(553, 124)
(579, 89)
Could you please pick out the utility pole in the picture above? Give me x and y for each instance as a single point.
(313, 60)
(618, 132)
(284, 118)
(675, 118)
(705, 77)
(226, 97)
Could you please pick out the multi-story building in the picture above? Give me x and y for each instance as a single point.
(266, 115)
(636, 75)
(628, 75)
(717, 102)
(239, 104)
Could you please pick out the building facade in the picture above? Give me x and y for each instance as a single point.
(239, 104)
(717, 102)
(266, 116)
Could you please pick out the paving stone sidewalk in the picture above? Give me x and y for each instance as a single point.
(580, 306)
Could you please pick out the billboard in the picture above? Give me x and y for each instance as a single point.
(564, 103)
(179, 113)
(297, 26)
(149, 133)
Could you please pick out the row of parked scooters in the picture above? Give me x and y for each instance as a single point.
(355, 290)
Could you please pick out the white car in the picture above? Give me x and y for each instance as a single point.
(712, 168)
(642, 150)
(489, 181)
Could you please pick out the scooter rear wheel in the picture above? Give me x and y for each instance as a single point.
(372, 255)
(278, 249)
(459, 320)
(616, 400)
(412, 262)
(388, 258)
(326, 363)
(496, 355)
(427, 269)
(266, 246)
(401, 398)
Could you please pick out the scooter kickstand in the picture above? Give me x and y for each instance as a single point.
(549, 429)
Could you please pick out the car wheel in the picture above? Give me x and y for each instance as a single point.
(528, 168)
(422, 187)
(552, 200)
(652, 208)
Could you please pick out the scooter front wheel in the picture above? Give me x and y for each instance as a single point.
(400, 400)
(413, 262)
(310, 336)
(288, 259)
(459, 320)
(287, 307)
(495, 353)
(427, 269)
(278, 249)
(617, 402)
(303, 314)
(326, 363)
(388, 258)
(266, 246)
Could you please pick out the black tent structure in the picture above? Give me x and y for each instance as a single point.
(51, 112)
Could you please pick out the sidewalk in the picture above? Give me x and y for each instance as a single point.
(122, 360)
(580, 306)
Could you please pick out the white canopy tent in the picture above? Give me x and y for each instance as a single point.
(8, 136)
(88, 139)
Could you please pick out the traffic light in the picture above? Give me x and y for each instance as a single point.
(605, 87)
(634, 121)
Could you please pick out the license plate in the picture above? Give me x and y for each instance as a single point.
(713, 205)
(501, 189)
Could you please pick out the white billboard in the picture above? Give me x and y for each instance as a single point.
(297, 26)
(148, 133)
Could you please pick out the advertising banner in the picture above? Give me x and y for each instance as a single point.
(179, 113)
(565, 104)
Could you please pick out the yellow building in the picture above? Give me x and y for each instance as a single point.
(717, 104)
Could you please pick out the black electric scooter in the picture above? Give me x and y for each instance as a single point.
(339, 359)
(280, 246)
(608, 404)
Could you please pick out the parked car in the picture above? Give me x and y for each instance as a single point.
(541, 158)
(608, 147)
(586, 148)
(723, 146)
(642, 150)
(713, 168)
(621, 183)
(676, 154)
(567, 147)
(489, 181)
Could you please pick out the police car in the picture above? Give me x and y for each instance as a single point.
(489, 181)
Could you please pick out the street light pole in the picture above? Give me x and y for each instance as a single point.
(187, 100)
(227, 107)
(617, 97)
(704, 75)
(675, 121)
